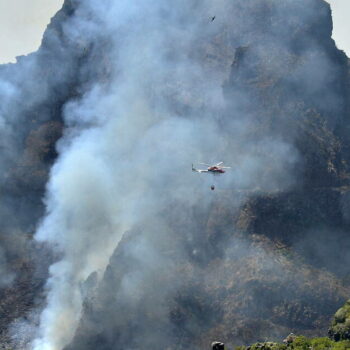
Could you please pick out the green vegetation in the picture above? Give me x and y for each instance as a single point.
(301, 343)
(264, 346)
(340, 327)
(339, 337)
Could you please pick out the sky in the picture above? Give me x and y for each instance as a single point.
(341, 23)
(22, 23)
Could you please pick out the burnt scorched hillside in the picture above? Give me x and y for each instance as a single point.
(260, 261)
(32, 96)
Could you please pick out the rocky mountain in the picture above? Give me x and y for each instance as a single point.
(265, 254)
(286, 265)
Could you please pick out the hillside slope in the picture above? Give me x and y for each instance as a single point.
(265, 258)
(262, 85)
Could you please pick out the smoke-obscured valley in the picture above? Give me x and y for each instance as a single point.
(108, 240)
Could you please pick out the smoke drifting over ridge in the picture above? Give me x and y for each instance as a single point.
(155, 95)
(126, 152)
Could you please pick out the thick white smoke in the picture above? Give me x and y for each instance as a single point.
(127, 149)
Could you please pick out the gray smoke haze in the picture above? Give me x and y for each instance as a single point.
(6, 277)
(126, 152)
(32, 92)
(151, 100)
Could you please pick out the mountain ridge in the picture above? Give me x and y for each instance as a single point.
(263, 257)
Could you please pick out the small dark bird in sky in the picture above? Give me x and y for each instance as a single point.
(212, 18)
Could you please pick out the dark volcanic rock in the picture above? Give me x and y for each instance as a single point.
(42, 82)
(245, 276)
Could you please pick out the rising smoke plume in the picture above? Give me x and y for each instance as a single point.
(126, 152)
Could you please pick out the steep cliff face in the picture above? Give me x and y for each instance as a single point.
(32, 93)
(262, 260)
(264, 254)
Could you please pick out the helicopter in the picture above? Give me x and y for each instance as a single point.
(216, 169)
